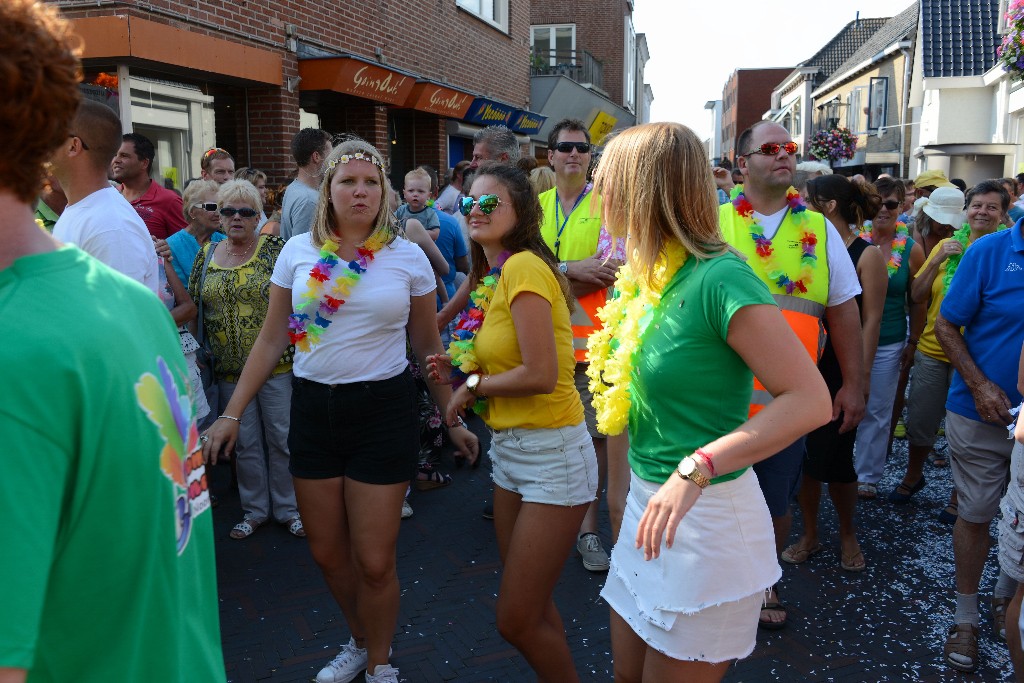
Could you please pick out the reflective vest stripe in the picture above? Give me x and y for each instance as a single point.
(584, 321)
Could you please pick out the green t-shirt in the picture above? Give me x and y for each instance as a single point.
(689, 387)
(106, 545)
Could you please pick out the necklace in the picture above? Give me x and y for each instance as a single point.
(962, 236)
(612, 347)
(462, 348)
(765, 250)
(899, 245)
(241, 253)
(307, 325)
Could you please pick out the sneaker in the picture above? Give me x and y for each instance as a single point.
(406, 510)
(595, 559)
(382, 673)
(346, 666)
(488, 511)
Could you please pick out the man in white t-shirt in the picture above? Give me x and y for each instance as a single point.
(98, 220)
(767, 161)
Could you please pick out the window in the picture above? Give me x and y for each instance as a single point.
(554, 44)
(494, 12)
(856, 113)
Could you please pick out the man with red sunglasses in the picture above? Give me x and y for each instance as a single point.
(803, 260)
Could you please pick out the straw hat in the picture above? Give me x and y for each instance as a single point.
(945, 206)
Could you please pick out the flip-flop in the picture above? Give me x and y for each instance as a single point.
(244, 529)
(849, 562)
(794, 554)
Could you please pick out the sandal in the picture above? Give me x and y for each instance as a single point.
(937, 459)
(961, 649)
(428, 478)
(295, 527)
(949, 514)
(244, 529)
(999, 606)
(794, 554)
(902, 494)
(867, 491)
(854, 562)
(774, 605)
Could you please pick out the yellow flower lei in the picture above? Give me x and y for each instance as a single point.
(611, 348)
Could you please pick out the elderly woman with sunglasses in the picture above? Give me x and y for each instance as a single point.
(199, 204)
(903, 258)
(235, 292)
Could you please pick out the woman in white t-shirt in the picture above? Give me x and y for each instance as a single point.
(347, 294)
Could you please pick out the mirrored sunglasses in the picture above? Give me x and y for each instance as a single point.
(567, 147)
(487, 204)
(772, 148)
(206, 206)
(244, 212)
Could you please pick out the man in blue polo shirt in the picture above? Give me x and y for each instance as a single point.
(983, 299)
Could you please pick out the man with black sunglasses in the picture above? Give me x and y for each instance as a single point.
(804, 262)
(98, 220)
(571, 227)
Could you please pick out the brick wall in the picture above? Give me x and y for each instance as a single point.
(746, 97)
(600, 30)
(431, 38)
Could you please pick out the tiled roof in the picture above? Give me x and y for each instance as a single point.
(844, 44)
(958, 37)
(899, 27)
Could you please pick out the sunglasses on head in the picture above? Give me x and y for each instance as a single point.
(487, 204)
(244, 212)
(772, 148)
(568, 147)
(206, 206)
(892, 204)
(214, 150)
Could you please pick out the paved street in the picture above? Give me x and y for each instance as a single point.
(280, 624)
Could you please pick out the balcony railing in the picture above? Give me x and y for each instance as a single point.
(579, 65)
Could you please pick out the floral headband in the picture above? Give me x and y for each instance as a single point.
(361, 156)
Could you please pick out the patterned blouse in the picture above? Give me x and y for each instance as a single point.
(235, 302)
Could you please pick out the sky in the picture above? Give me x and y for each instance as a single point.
(696, 45)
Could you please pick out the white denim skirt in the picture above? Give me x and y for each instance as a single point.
(699, 600)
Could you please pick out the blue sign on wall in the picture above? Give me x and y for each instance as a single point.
(526, 122)
(489, 113)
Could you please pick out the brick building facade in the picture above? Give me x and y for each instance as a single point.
(407, 76)
(745, 99)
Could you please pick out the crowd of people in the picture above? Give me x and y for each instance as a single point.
(327, 336)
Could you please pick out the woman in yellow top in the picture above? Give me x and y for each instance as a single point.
(513, 349)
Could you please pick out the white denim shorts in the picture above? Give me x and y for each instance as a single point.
(1011, 526)
(550, 466)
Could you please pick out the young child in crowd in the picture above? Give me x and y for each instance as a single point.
(417, 194)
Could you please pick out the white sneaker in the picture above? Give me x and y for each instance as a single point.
(406, 510)
(346, 666)
(382, 673)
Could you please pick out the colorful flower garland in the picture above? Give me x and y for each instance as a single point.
(962, 236)
(899, 245)
(462, 349)
(611, 348)
(765, 250)
(312, 315)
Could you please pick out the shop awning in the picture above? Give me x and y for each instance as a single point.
(527, 122)
(124, 37)
(489, 112)
(435, 98)
(354, 76)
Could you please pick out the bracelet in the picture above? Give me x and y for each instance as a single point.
(228, 417)
(460, 422)
(706, 458)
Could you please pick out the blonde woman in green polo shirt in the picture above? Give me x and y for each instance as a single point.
(696, 550)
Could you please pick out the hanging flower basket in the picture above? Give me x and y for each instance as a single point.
(1010, 54)
(835, 144)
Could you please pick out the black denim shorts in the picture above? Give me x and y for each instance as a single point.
(367, 431)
